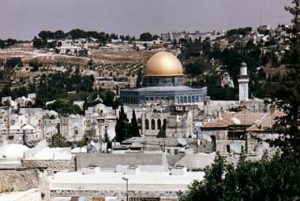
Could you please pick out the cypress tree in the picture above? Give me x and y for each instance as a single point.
(162, 131)
(134, 131)
(121, 126)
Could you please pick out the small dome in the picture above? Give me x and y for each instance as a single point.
(27, 127)
(163, 64)
(12, 150)
(243, 64)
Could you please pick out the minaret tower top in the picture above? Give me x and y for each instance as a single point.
(243, 83)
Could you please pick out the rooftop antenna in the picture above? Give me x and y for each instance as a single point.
(260, 12)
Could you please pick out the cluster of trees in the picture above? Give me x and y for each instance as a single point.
(146, 36)
(125, 129)
(7, 43)
(239, 31)
(197, 66)
(35, 65)
(68, 87)
(230, 58)
(271, 178)
(64, 87)
(74, 34)
(42, 40)
(101, 37)
(9, 65)
(12, 62)
(109, 99)
(65, 107)
(55, 86)
(267, 179)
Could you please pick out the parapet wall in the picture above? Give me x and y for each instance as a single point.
(112, 160)
(50, 165)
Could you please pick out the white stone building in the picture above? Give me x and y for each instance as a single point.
(72, 127)
(100, 119)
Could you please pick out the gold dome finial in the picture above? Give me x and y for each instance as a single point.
(163, 64)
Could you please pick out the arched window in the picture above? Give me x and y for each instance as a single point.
(184, 99)
(146, 124)
(153, 124)
(158, 124)
(228, 148)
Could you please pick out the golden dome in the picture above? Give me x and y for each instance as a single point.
(163, 64)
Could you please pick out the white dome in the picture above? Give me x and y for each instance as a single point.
(12, 150)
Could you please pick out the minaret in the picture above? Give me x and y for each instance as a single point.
(243, 83)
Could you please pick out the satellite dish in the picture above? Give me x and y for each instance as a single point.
(235, 121)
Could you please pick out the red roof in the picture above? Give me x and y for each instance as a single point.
(256, 120)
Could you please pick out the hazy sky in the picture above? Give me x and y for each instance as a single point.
(22, 19)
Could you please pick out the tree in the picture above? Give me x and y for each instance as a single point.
(58, 140)
(134, 128)
(139, 78)
(38, 43)
(44, 35)
(121, 126)
(11, 42)
(109, 98)
(106, 137)
(59, 34)
(155, 37)
(295, 41)
(77, 33)
(2, 44)
(35, 65)
(64, 107)
(162, 131)
(146, 36)
(107, 140)
(261, 180)
(13, 62)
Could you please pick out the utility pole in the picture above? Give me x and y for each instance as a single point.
(126, 180)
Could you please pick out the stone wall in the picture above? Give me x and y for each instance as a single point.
(112, 160)
(23, 180)
(222, 145)
(50, 165)
(159, 195)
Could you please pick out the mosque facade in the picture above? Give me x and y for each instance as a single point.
(163, 97)
(163, 83)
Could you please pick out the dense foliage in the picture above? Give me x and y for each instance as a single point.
(7, 43)
(125, 129)
(61, 88)
(275, 178)
(42, 40)
(267, 179)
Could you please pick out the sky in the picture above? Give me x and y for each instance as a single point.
(23, 19)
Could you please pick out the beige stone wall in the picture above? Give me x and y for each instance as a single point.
(23, 180)
(221, 145)
(50, 165)
(112, 160)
